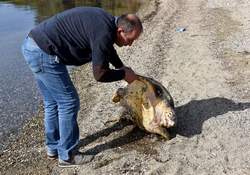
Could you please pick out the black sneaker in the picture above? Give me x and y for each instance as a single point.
(76, 160)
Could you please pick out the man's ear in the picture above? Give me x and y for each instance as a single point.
(120, 30)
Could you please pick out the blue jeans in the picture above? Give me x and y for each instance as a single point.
(61, 101)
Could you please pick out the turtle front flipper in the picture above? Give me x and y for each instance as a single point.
(119, 94)
(162, 132)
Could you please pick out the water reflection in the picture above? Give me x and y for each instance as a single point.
(47, 8)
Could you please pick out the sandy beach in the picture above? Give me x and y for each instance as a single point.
(199, 50)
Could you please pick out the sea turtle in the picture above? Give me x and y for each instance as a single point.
(150, 105)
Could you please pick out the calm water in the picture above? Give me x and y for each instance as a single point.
(19, 97)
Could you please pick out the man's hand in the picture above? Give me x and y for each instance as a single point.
(130, 75)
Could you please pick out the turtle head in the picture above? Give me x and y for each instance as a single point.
(165, 114)
(158, 109)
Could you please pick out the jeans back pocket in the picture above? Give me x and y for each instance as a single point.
(32, 55)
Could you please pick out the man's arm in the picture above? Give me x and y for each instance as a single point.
(104, 53)
(105, 74)
(109, 75)
(114, 59)
(130, 75)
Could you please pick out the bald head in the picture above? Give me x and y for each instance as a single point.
(129, 28)
(129, 22)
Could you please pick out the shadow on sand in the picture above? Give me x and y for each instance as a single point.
(132, 135)
(190, 120)
(192, 115)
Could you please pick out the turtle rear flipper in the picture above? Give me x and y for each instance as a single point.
(119, 94)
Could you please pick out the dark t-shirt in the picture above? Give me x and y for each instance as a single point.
(81, 35)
